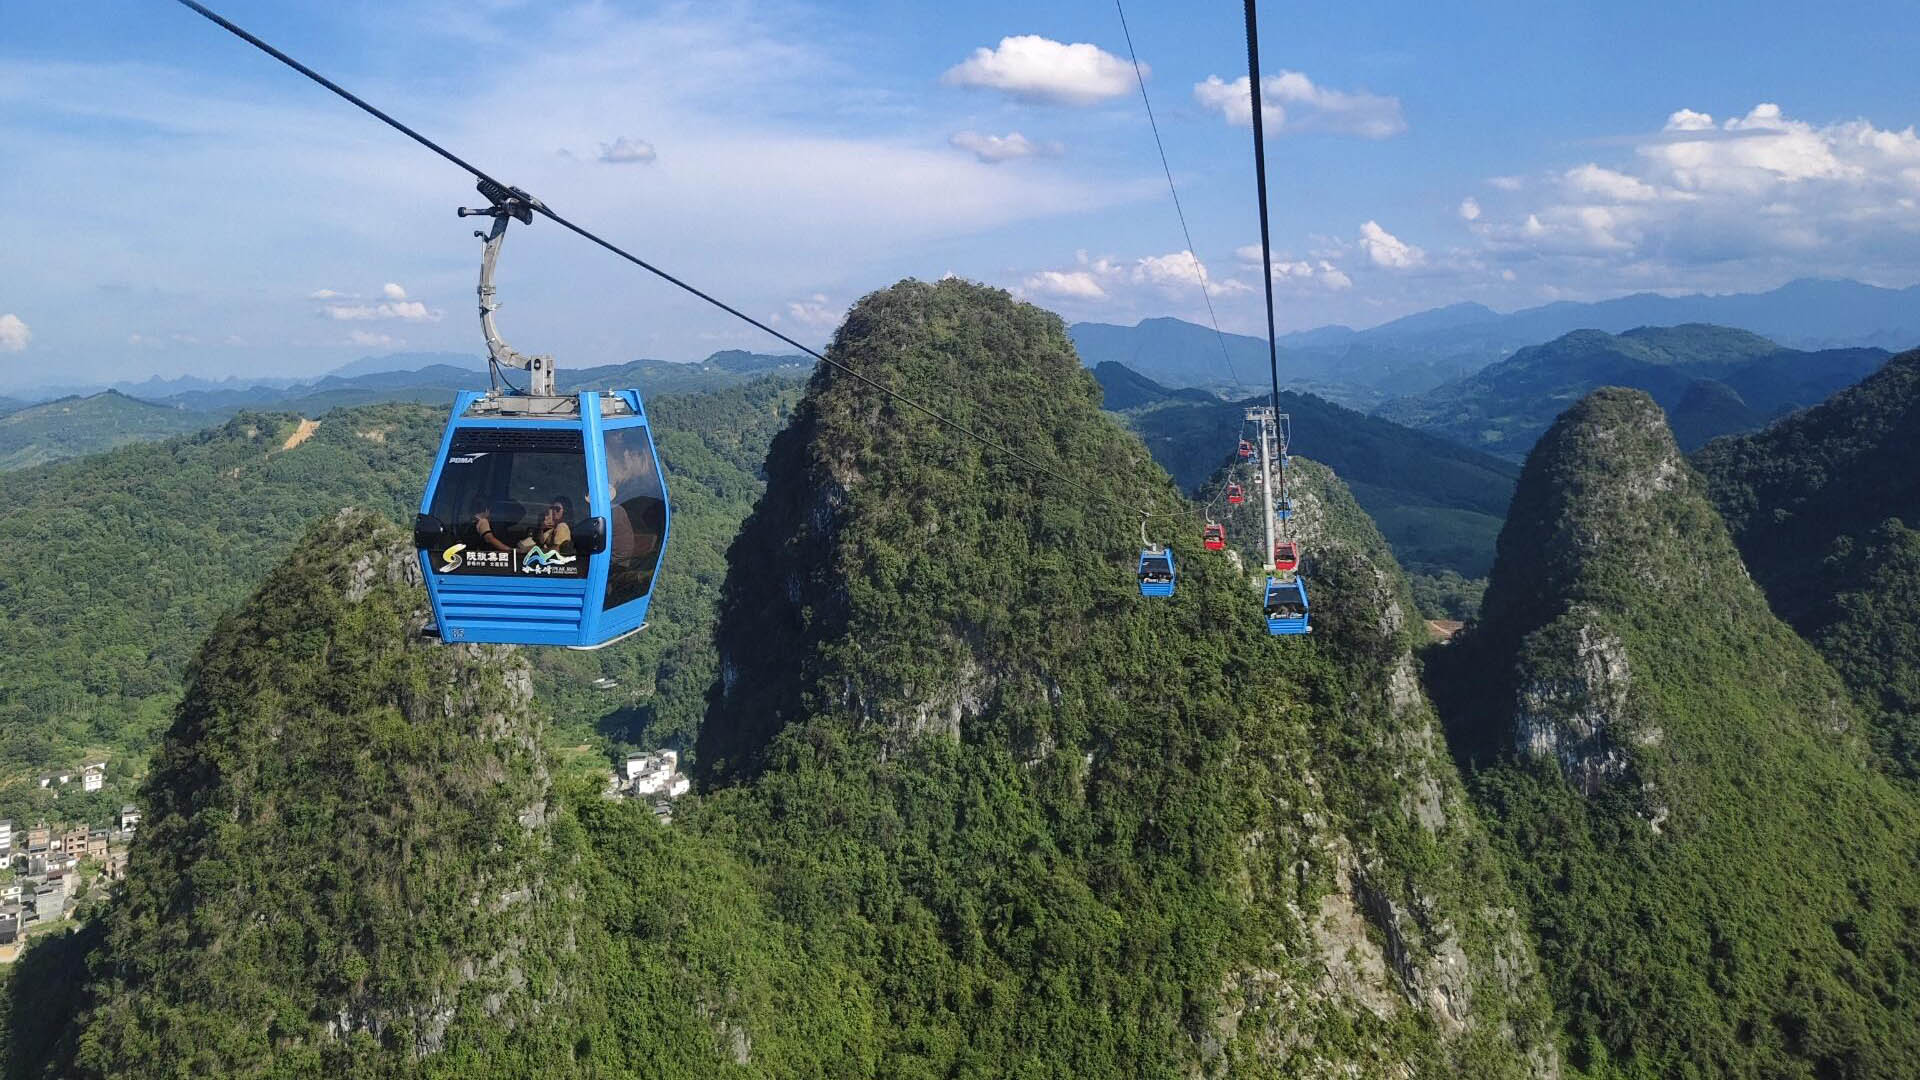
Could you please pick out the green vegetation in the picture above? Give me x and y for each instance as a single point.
(1719, 884)
(157, 540)
(973, 808)
(1504, 407)
(72, 426)
(1823, 506)
(1438, 503)
(1447, 595)
(1057, 829)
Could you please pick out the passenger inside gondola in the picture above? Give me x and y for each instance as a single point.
(1156, 569)
(481, 532)
(638, 518)
(1285, 605)
(553, 534)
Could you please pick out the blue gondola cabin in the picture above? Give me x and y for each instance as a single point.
(1156, 572)
(544, 521)
(1286, 607)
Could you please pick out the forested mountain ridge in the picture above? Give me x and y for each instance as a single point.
(348, 860)
(1719, 882)
(1824, 507)
(1076, 831)
(73, 426)
(1439, 503)
(1505, 406)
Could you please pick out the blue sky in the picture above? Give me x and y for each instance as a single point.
(175, 202)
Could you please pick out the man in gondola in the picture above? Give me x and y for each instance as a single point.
(483, 534)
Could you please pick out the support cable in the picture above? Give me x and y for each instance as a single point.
(1260, 178)
(1205, 293)
(541, 208)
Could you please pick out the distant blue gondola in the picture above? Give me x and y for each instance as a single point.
(1286, 606)
(1156, 572)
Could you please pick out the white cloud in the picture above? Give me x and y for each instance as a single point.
(1388, 250)
(1507, 183)
(373, 341)
(815, 311)
(1069, 284)
(993, 149)
(1470, 208)
(627, 151)
(1739, 202)
(393, 292)
(14, 334)
(1688, 120)
(323, 294)
(408, 310)
(1145, 282)
(1607, 185)
(1288, 270)
(1290, 101)
(1034, 68)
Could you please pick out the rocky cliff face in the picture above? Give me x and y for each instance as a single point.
(346, 865)
(1676, 779)
(1172, 843)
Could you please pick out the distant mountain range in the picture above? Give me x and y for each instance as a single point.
(83, 424)
(1408, 356)
(1711, 380)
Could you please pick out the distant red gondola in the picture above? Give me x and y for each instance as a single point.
(1246, 449)
(1214, 537)
(1235, 494)
(1286, 556)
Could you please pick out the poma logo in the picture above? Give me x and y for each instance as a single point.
(451, 559)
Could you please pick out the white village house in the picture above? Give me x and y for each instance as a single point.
(657, 773)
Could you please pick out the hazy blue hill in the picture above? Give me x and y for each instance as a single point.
(8, 405)
(1720, 883)
(72, 426)
(1357, 369)
(1824, 506)
(1710, 408)
(1438, 320)
(409, 361)
(1123, 388)
(1439, 504)
(1807, 313)
(1505, 406)
(1416, 353)
(741, 362)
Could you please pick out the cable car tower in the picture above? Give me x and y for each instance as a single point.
(1264, 415)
